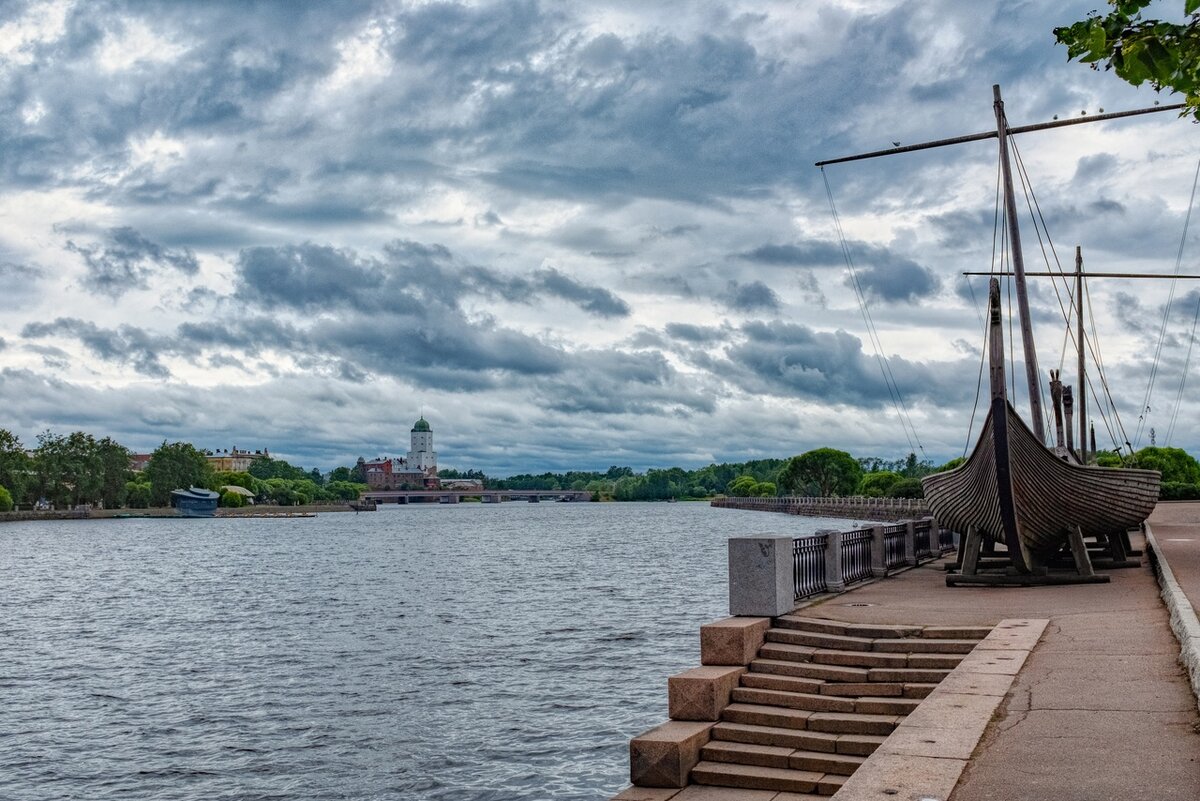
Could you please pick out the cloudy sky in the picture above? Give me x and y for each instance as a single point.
(572, 234)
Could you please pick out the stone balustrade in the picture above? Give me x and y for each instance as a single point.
(855, 507)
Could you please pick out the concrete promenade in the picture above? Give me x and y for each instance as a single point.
(1102, 708)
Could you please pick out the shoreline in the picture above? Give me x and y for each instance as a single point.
(170, 513)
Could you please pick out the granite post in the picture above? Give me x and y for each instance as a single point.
(910, 542)
(835, 580)
(760, 576)
(878, 554)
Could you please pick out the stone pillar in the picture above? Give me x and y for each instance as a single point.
(760, 576)
(878, 555)
(834, 579)
(935, 537)
(910, 542)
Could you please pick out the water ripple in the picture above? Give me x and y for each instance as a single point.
(462, 653)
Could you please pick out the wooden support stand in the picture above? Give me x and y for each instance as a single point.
(980, 565)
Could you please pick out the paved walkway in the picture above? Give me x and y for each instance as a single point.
(1101, 710)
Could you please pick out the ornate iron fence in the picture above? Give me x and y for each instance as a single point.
(808, 565)
(921, 531)
(893, 545)
(856, 555)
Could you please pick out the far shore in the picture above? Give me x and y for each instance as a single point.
(166, 511)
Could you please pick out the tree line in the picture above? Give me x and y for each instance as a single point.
(66, 471)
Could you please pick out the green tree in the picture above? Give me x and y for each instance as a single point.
(907, 488)
(765, 489)
(741, 487)
(339, 474)
(173, 466)
(232, 500)
(1176, 465)
(1164, 54)
(345, 490)
(16, 468)
(876, 485)
(137, 494)
(6, 500)
(825, 470)
(114, 461)
(69, 470)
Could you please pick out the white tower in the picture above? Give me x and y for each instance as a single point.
(422, 456)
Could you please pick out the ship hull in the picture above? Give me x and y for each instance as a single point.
(1015, 491)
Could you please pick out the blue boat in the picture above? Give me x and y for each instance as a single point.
(195, 502)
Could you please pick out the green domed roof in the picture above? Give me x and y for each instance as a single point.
(421, 425)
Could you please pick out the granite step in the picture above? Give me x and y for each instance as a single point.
(821, 742)
(919, 690)
(956, 632)
(839, 764)
(765, 715)
(868, 630)
(885, 706)
(808, 670)
(934, 661)
(864, 659)
(786, 652)
(777, 735)
(852, 723)
(763, 756)
(816, 639)
(749, 777)
(791, 700)
(856, 688)
(770, 681)
(920, 645)
(906, 675)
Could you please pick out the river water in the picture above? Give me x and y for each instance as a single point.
(470, 652)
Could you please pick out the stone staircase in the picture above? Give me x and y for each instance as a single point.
(820, 697)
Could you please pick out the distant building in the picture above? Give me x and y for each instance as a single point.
(234, 460)
(138, 461)
(419, 469)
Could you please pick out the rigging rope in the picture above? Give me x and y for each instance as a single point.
(1092, 342)
(885, 369)
(1166, 315)
(1183, 375)
(983, 319)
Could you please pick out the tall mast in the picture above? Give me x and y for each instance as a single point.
(1014, 236)
(1083, 449)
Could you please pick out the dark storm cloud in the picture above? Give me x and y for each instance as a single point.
(595, 300)
(810, 253)
(882, 273)
(617, 382)
(126, 344)
(695, 334)
(754, 296)
(312, 277)
(790, 359)
(126, 260)
(904, 281)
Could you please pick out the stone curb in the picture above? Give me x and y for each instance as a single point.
(1183, 617)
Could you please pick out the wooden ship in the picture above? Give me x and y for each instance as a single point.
(1042, 505)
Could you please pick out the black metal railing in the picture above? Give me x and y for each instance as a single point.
(808, 565)
(945, 539)
(921, 545)
(893, 545)
(856, 555)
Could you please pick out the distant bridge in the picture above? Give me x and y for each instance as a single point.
(487, 496)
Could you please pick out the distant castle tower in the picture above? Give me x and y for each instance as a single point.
(422, 456)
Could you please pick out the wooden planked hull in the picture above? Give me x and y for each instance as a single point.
(1044, 493)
